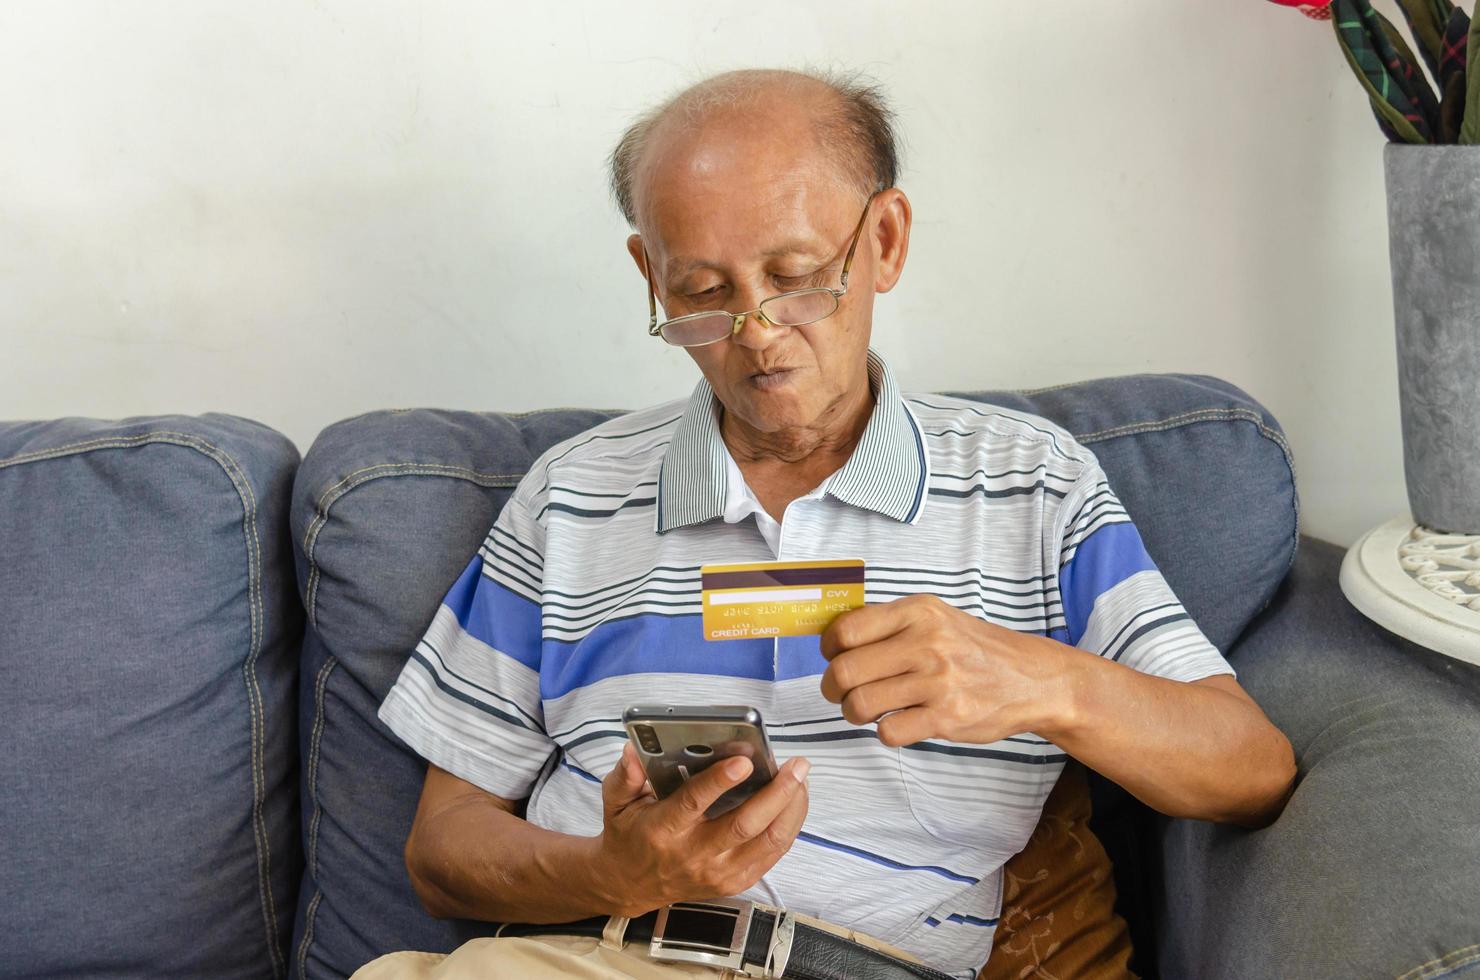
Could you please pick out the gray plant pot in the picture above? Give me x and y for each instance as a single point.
(1434, 245)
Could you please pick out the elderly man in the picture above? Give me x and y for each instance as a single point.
(1014, 619)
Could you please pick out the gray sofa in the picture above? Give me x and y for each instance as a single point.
(196, 629)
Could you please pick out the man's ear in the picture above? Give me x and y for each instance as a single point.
(890, 237)
(634, 249)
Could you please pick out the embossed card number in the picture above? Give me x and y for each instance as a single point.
(778, 598)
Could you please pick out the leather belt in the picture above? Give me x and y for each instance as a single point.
(752, 940)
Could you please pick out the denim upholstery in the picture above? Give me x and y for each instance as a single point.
(148, 661)
(384, 507)
(148, 633)
(388, 507)
(1373, 869)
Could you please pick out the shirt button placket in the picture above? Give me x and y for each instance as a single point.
(804, 551)
(780, 556)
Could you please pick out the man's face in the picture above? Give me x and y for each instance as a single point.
(732, 215)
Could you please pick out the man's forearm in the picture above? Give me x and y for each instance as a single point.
(1187, 750)
(475, 860)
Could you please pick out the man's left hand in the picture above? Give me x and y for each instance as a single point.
(924, 669)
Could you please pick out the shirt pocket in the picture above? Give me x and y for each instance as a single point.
(858, 835)
(982, 799)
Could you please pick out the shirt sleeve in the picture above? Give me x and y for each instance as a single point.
(1116, 602)
(468, 698)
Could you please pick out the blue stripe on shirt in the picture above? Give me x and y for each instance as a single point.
(886, 862)
(1110, 555)
(968, 920)
(495, 615)
(647, 643)
(580, 772)
(653, 642)
(799, 656)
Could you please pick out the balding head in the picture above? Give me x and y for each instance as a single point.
(755, 184)
(836, 116)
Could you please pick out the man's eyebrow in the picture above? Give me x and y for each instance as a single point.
(808, 249)
(678, 268)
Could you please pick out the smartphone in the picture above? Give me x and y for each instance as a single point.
(677, 742)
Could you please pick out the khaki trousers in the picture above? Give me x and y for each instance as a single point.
(534, 956)
(564, 956)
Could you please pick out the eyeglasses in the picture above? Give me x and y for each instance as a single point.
(793, 309)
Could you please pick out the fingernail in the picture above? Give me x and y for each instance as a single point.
(737, 767)
(800, 768)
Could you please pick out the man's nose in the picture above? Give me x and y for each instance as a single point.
(757, 333)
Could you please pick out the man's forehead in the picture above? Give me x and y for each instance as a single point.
(690, 239)
(692, 223)
(764, 158)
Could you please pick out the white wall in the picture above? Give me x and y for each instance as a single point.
(301, 211)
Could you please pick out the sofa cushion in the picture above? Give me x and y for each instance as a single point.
(388, 508)
(148, 659)
(1373, 868)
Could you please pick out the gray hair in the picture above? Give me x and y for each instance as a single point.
(856, 124)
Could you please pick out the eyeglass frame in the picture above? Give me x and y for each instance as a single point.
(655, 329)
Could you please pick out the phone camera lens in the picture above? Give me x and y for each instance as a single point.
(647, 740)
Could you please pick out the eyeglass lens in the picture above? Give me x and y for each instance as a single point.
(787, 310)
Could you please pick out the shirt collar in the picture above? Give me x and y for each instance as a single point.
(887, 473)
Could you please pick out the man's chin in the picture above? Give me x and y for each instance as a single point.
(768, 412)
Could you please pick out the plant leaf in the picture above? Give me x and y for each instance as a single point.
(1469, 130)
(1423, 20)
(1452, 62)
(1388, 101)
(1387, 128)
(1405, 69)
(1443, 10)
(1406, 73)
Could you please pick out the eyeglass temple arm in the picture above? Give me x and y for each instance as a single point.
(853, 246)
(647, 273)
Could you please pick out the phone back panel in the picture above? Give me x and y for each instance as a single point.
(691, 740)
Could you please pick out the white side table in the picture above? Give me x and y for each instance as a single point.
(1419, 584)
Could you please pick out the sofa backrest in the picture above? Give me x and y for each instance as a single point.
(388, 508)
(149, 638)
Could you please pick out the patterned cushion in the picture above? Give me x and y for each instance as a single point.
(388, 508)
(1058, 898)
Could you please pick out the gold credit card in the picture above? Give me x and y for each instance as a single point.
(778, 598)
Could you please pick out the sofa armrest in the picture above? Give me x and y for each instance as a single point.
(1374, 866)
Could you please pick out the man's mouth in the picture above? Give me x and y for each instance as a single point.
(773, 378)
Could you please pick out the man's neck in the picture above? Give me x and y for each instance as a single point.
(783, 465)
(834, 432)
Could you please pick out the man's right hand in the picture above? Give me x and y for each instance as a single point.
(654, 852)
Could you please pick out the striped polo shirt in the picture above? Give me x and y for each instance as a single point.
(585, 598)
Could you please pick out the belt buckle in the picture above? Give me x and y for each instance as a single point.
(689, 932)
(714, 933)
